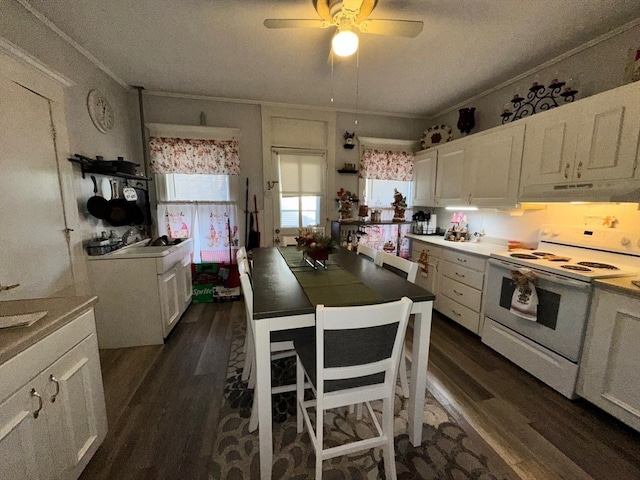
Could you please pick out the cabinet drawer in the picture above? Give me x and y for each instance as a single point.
(463, 294)
(417, 247)
(459, 313)
(465, 260)
(464, 275)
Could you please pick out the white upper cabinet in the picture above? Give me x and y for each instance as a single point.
(481, 170)
(452, 164)
(494, 160)
(424, 178)
(585, 150)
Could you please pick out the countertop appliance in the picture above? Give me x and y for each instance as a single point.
(423, 223)
(568, 259)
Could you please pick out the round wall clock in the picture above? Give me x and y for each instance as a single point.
(100, 111)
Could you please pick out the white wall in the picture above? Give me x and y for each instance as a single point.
(31, 36)
(247, 117)
(599, 68)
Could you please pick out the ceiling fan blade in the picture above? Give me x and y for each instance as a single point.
(397, 28)
(351, 5)
(295, 23)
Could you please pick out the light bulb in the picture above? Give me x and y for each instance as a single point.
(345, 43)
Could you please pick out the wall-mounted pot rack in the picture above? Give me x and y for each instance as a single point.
(89, 165)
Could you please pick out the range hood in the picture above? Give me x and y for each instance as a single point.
(617, 191)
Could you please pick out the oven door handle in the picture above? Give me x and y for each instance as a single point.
(547, 276)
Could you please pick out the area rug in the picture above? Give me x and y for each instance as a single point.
(446, 451)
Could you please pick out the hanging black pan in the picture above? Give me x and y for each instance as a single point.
(97, 206)
(118, 214)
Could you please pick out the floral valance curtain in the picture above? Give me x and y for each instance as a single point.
(386, 165)
(193, 156)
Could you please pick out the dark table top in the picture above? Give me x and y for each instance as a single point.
(277, 293)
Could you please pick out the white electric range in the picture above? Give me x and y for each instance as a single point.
(564, 265)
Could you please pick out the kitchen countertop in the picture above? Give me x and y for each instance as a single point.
(60, 311)
(621, 285)
(143, 250)
(483, 249)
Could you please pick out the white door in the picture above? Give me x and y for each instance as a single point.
(34, 251)
(301, 185)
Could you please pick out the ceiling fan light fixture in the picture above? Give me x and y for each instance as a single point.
(345, 43)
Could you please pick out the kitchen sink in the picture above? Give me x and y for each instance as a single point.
(143, 250)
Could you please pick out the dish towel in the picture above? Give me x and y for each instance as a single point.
(423, 262)
(524, 302)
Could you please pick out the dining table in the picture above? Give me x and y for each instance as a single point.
(281, 302)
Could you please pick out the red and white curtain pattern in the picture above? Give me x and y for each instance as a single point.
(212, 225)
(386, 165)
(193, 156)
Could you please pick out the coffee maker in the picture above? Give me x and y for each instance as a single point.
(423, 223)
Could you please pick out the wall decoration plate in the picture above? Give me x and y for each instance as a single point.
(436, 135)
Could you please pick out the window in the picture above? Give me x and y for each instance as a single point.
(301, 180)
(379, 193)
(177, 187)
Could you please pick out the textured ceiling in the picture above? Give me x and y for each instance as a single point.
(220, 48)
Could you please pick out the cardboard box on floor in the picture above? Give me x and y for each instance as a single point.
(210, 283)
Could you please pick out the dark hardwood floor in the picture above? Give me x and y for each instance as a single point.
(163, 404)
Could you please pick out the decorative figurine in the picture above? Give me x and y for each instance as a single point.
(349, 139)
(400, 205)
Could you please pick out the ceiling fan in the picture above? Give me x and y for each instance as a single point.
(347, 15)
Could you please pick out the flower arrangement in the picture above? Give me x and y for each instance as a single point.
(314, 244)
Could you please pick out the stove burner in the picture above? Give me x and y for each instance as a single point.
(524, 255)
(576, 267)
(542, 254)
(598, 265)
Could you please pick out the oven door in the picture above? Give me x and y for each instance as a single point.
(563, 304)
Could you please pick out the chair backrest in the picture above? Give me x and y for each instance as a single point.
(359, 349)
(247, 292)
(241, 253)
(368, 252)
(399, 266)
(243, 266)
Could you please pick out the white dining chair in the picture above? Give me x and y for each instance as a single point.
(352, 359)
(281, 347)
(368, 252)
(409, 270)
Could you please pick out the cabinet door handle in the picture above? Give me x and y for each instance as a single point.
(53, 379)
(35, 394)
(469, 200)
(566, 171)
(461, 260)
(459, 275)
(579, 172)
(458, 314)
(457, 292)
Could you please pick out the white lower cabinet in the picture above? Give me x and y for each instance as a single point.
(52, 425)
(460, 285)
(141, 297)
(608, 374)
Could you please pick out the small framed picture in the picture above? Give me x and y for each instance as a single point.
(632, 67)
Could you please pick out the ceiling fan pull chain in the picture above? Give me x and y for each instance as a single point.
(331, 53)
(357, 82)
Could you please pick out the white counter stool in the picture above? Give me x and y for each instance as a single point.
(409, 270)
(352, 359)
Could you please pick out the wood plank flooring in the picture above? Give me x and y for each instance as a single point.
(163, 404)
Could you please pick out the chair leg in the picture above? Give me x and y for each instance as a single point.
(319, 442)
(359, 412)
(299, 394)
(404, 380)
(249, 354)
(253, 421)
(388, 449)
